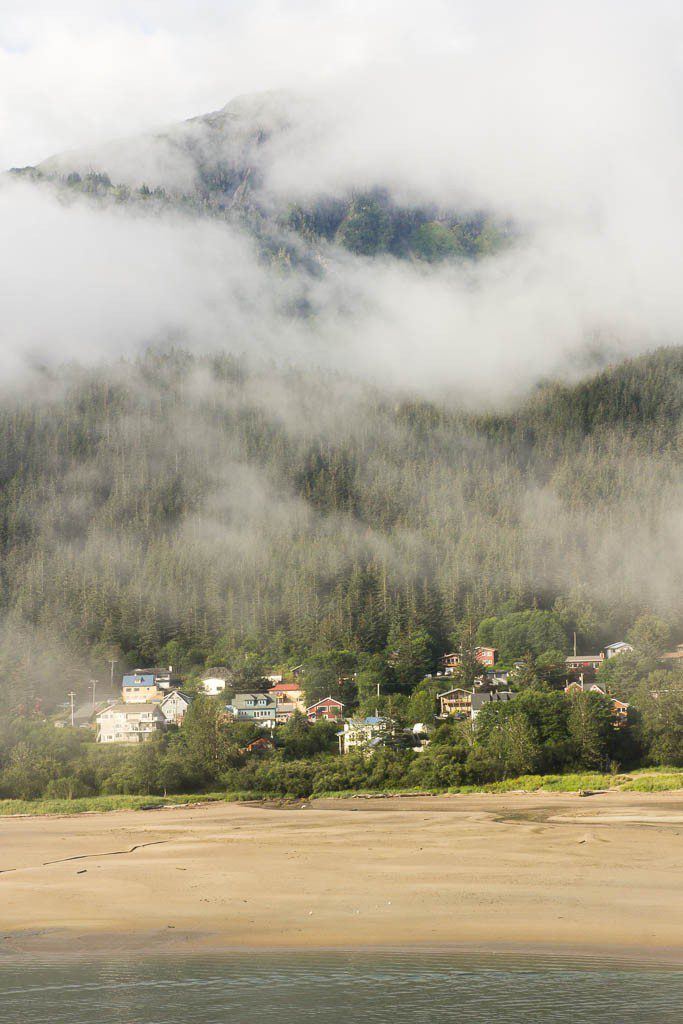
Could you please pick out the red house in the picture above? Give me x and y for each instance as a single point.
(584, 662)
(485, 656)
(328, 708)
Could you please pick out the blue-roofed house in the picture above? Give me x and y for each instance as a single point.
(364, 734)
(141, 688)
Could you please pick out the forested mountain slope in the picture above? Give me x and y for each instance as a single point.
(228, 507)
(219, 165)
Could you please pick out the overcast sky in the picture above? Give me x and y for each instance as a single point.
(85, 69)
(564, 116)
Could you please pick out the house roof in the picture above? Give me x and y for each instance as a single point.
(131, 709)
(177, 693)
(490, 696)
(586, 687)
(285, 687)
(618, 643)
(246, 700)
(456, 689)
(325, 700)
(156, 670)
(139, 679)
(218, 672)
(360, 723)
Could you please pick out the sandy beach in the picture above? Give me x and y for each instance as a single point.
(544, 871)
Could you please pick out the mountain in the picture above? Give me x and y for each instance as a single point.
(221, 164)
(193, 510)
(208, 509)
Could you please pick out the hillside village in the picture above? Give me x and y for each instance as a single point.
(152, 699)
(340, 721)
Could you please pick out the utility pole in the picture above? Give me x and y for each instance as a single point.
(574, 644)
(113, 663)
(71, 696)
(93, 685)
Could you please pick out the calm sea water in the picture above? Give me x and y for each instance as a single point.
(299, 987)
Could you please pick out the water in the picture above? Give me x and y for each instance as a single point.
(369, 987)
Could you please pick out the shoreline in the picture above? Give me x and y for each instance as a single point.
(109, 946)
(536, 873)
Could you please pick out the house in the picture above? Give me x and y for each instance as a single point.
(619, 707)
(284, 711)
(140, 688)
(673, 655)
(215, 680)
(327, 709)
(174, 705)
(484, 655)
(619, 647)
(584, 662)
(619, 712)
(457, 702)
(418, 737)
(288, 693)
(129, 723)
(480, 698)
(260, 746)
(362, 734)
(582, 687)
(450, 662)
(165, 678)
(254, 707)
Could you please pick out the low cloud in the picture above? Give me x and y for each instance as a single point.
(564, 119)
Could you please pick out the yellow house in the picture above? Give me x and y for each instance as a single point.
(141, 688)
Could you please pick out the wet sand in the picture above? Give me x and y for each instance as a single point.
(542, 871)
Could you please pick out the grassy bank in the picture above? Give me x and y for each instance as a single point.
(91, 804)
(648, 781)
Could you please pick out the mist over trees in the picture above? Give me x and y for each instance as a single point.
(201, 510)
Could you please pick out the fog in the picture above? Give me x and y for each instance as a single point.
(563, 119)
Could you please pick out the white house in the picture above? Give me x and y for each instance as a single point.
(619, 647)
(215, 680)
(174, 705)
(419, 737)
(129, 723)
(362, 734)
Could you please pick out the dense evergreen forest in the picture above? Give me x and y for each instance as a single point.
(205, 510)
